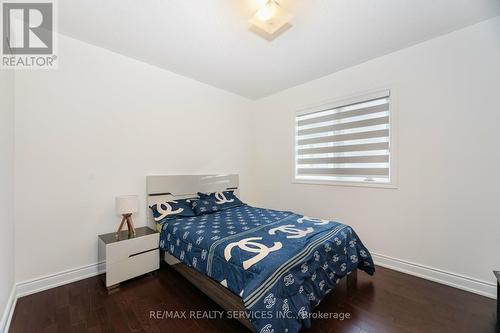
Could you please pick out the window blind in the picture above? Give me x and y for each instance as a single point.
(350, 142)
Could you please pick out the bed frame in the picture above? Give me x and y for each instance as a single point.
(187, 186)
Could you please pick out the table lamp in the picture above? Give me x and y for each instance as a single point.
(126, 205)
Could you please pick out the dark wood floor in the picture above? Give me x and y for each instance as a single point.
(387, 302)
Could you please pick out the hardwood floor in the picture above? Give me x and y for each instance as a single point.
(387, 302)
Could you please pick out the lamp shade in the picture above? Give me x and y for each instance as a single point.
(127, 204)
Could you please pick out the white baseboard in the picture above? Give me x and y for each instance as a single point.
(466, 283)
(58, 279)
(9, 310)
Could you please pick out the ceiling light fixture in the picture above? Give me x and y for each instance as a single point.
(270, 17)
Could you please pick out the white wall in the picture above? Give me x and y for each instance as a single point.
(445, 213)
(6, 190)
(93, 129)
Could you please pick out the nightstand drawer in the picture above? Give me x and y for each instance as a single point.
(122, 250)
(132, 266)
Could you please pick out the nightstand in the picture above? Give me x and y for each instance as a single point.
(127, 256)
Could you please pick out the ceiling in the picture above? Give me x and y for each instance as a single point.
(210, 41)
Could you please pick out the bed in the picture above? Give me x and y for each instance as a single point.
(272, 266)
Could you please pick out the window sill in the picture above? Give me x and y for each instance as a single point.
(341, 183)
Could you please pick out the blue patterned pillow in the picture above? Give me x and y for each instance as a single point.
(205, 206)
(171, 209)
(223, 200)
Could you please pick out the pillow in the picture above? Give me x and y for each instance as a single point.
(171, 209)
(223, 200)
(205, 206)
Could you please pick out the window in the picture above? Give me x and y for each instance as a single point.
(346, 142)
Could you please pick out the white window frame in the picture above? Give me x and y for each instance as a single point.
(342, 101)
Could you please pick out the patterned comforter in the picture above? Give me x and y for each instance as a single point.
(281, 264)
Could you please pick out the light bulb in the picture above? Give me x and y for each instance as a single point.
(267, 11)
(270, 17)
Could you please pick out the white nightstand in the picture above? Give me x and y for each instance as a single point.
(127, 257)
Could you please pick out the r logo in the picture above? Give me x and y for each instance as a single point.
(27, 28)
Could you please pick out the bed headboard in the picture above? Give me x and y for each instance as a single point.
(186, 186)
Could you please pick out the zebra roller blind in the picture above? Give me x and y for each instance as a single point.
(349, 142)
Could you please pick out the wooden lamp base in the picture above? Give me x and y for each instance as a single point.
(130, 225)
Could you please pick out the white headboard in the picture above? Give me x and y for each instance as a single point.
(186, 186)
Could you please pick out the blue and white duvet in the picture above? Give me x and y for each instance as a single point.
(281, 264)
